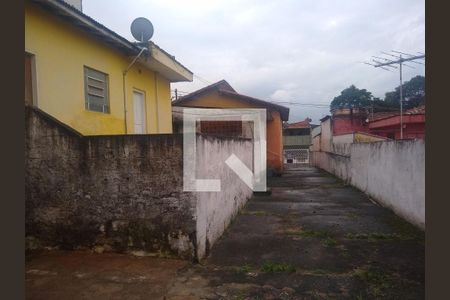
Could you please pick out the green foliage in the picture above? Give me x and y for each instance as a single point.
(352, 97)
(413, 93)
(374, 236)
(270, 267)
(244, 269)
(329, 242)
(377, 282)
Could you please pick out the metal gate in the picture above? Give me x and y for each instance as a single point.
(296, 156)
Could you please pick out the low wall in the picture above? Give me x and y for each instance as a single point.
(391, 172)
(124, 192)
(215, 210)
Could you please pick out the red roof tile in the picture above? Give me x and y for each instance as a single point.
(419, 110)
(302, 124)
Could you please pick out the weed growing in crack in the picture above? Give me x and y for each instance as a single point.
(312, 233)
(259, 213)
(378, 283)
(329, 242)
(374, 236)
(244, 269)
(270, 267)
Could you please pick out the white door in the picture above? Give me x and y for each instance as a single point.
(139, 113)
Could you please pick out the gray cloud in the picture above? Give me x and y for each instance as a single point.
(296, 51)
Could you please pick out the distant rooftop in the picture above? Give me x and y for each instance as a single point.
(225, 89)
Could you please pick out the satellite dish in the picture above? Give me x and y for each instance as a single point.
(142, 29)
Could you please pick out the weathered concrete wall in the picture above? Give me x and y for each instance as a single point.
(343, 138)
(117, 192)
(391, 172)
(394, 174)
(215, 210)
(123, 193)
(326, 138)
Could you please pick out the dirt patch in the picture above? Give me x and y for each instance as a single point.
(88, 275)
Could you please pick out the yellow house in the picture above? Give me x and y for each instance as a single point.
(83, 74)
(222, 95)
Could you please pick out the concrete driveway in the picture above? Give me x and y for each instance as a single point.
(312, 238)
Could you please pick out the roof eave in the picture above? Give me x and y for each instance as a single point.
(79, 19)
(159, 61)
(164, 64)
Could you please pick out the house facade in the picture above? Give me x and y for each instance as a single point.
(222, 95)
(296, 141)
(80, 72)
(413, 121)
(386, 124)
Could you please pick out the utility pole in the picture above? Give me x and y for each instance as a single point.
(176, 94)
(400, 60)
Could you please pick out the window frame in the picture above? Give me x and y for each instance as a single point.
(86, 76)
(34, 79)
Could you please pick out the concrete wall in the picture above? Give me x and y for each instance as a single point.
(391, 172)
(326, 135)
(215, 210)
(124, 193)
(343, 138)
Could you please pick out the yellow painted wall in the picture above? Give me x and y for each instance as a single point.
(274, 127)
(60, 53)
(361, 137)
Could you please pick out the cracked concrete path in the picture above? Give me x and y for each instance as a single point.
(312, 238)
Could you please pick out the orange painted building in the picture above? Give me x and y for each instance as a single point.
(222, 95)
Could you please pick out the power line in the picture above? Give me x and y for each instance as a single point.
(203, 80)
(315, 105)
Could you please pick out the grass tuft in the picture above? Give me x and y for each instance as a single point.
(374, 236)
(270, 267)
(377, 282)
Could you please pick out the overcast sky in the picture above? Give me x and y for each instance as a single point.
(279, 50)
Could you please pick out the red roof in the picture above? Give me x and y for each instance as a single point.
(416, 110)
(419, 110)
(381, 115)
(224, 88)
(302, 124)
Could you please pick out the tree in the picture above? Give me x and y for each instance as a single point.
(413, 93)
(352, 97)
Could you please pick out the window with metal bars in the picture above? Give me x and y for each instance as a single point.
(96, 90)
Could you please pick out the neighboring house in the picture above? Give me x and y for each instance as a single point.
(349, 120)
(389, 125)
(239, 129)
(75, 71)
(296, 141)
(222, 95)
(379, 125)
(326, 134)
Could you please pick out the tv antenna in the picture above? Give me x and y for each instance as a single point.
(400, 59)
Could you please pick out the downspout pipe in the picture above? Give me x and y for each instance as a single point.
(124, 86)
